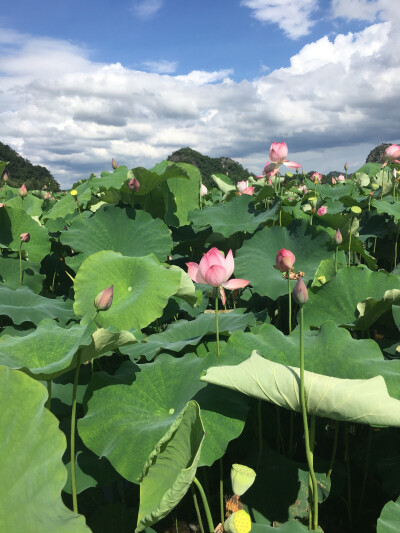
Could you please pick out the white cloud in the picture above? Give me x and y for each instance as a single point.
(336, 101)
(161, 67)
(145, 9)
(366, 10)
(292, 16)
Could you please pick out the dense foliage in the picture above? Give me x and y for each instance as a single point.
(152, 335)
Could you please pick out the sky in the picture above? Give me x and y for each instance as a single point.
(85, 81)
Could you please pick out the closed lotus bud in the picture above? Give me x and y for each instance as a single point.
(134, 184)
(25, 237)
(338, 237)
(47, 196)
(23, 191)
(346, 166)
(284, 260)
(5, 176)
(242, 478)
(238, 522)
(300, 292)
(114, 164)
(104, 299)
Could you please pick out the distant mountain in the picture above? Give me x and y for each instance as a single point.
(20, 170)
(210, 165)
(377, 155)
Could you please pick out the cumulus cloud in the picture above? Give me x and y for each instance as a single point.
(145, 9)
(330, 105)
(292, 16)
(162, 67)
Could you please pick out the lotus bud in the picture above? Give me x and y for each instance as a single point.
(346, 167)
(44, 186)
(242, 478)
(284, 260)
(114, 164)
(238, 522)
(5, 176)
(300, 292)
(134, 184)
(338, 239)
(23, 191)
(25, 237)
(203, 190)
(104, 299)
(47, 196)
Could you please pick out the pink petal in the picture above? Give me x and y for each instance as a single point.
(223, 295)
(215, 275)
(194, 273)
(235, 283)
(229, 265)
(291, 164)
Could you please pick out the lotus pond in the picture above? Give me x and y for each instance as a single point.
(176, 359)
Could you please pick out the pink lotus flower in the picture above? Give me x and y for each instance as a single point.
(284, 260)
(25, 237)
(242, 185)
(277, 155)
(392, 154)
(316, 177)
(341, 178)
(23, 191)
(214, 269)
(203, 190)
(322, 211)
(333, 181)
(134, 184)
(247, 190)
(302, 189)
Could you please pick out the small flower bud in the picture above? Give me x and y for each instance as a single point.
(23, 191)
(104, 299)
(346, 167)
(284, 260)
(338, 239)
(300, 292)
(134, 184)
(114, 164)
(5, 176)
(238, 522)
(25, 237)
(242, 478)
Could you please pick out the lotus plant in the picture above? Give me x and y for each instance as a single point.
(214, 269)
(243, 188)
(277, 156)
(24, 237)
(284, 263)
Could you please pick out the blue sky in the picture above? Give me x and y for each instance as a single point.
(81, 82)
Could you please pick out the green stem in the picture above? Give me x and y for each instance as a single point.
(395, 245)
(314, 497)
(48, 402)
(205, 504)
(291, 432)
(336, 260)
(290, 303)
(72, 442)
(20, 263)
(346, 443)
(260, 436)
(351, 224)
(196, 506)
(334, 450)
(216, 318)
(221, 490)
(366, 467)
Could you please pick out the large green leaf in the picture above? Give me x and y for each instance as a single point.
(351, 400)
(389, 521)
(67, 205)
(171, 467)
(255, 260)
(151, 179)
(30, 204)
(183, 333)
(50, 350)
(330, 351)
(387, 208)
(23, 305)
(183, 196)
(15, 221)
(31, 469)
(371, 309)
(9, 274)
(350, 286)
(124, 422)
(142, 288)
(132, 233)
(230, 217)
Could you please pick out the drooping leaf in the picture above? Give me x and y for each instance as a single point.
(171, 467)
(31, 468)
(389, 520)
(361, 401)
(183, 196)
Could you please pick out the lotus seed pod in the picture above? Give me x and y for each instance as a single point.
(355, 209)
(242, 478)
(104, 299)
(374, 186)
(238, 522)
(338, 239)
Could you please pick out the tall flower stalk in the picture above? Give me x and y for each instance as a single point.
(24, 237)
(284, 263)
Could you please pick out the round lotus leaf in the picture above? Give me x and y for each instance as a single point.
(31, 468)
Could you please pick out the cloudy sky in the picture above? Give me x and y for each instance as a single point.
(82, 82)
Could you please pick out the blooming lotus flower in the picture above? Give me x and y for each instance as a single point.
(316, 177)
(277, 155)
(203, 190)
(322, 211)
(104, 299)
(300, 292)
(242, 185)
(392, 153)
(284, 260)
(25, 237)
(247, 190)
(214, 269)
(23, 191)
(134, 184)
(341, 178)
(302, 189)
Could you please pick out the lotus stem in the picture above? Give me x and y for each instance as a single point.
(206, 506)
(336, 249)
(313, 498)
(290, 302)
(366, 467)
(221, 490)
(351, 225)
(20, 263)
(347, 457)
(334, 449)
(260, 436)
(196, 506)
(216, 318)
(72, 440)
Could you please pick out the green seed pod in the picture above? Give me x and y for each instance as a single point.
(238, 522)
(355, 209)
(242, 478)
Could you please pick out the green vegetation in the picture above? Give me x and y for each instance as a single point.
(20, 170)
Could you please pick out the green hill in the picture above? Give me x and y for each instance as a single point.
(20, 170)
(210, 165)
